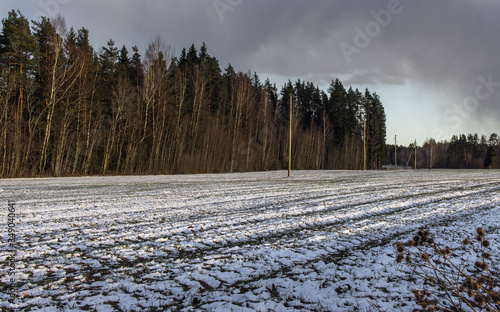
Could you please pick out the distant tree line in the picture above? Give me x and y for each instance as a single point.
(67, 109)
(461, 152)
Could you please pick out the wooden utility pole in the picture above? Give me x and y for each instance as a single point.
(428, 156)
(395, 152)
(415, 154)
(290, 143)
(364, 145)
(431, 160)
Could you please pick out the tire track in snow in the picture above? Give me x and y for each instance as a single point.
(346, 250)
(243, 222)
(297, 230)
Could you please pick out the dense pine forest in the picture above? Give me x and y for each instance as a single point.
(69, 109)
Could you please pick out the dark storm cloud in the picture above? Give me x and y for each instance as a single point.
(445, 47)
(426, 40)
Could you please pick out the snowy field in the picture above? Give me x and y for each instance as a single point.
(319, 241)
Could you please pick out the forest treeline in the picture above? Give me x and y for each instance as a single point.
(469, 151)
(69, 109)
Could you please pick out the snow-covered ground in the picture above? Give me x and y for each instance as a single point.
(319, 241)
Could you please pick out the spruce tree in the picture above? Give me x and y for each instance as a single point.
(136, 69)
(336, 110)
(124, 62)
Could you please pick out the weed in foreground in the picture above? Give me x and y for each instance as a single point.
(451, 284)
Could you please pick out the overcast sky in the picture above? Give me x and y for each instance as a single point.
(435, 64)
